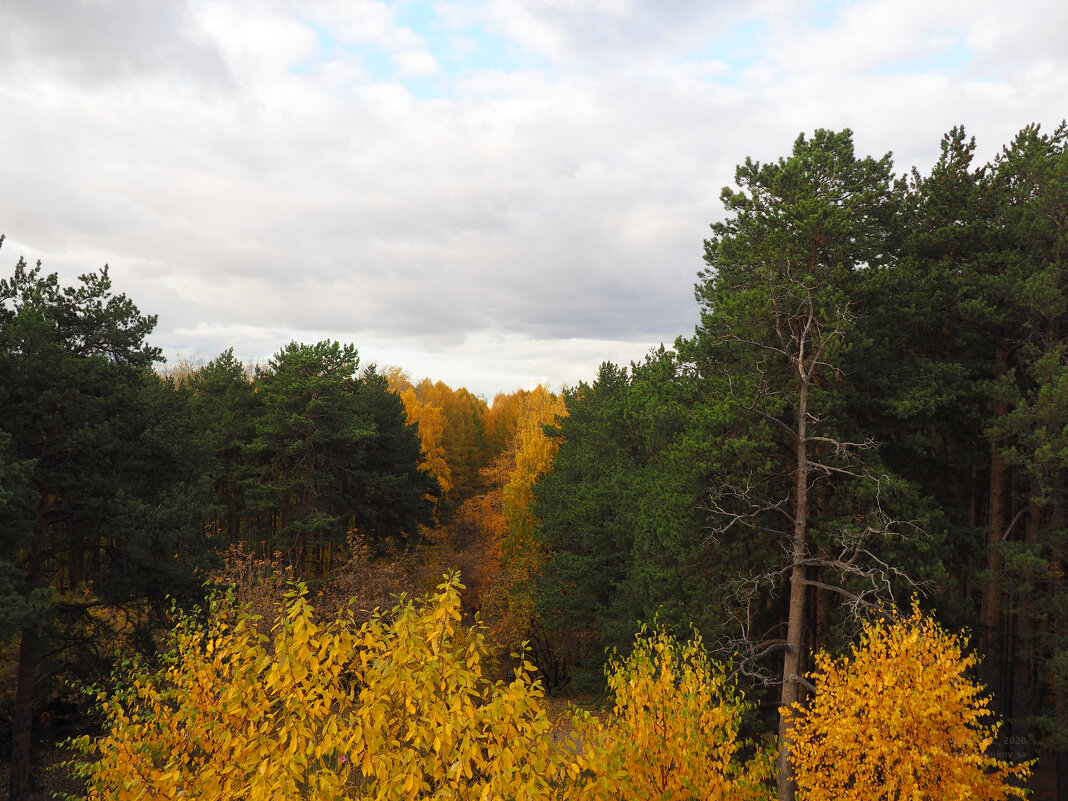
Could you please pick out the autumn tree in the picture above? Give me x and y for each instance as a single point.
(517, 555)
(674, 732)
(466, 449)
(430, 420)
(452, 428)
(900, 717)
(504, 419)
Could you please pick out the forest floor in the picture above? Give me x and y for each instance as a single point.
(50, 775)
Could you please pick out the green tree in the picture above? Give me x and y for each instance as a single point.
(778, 313)
(1025, 603)
(620, 515)
(962, 380)
(392, 496)
(307, 431)
(224, 405)
(920, 383)
(101, 483)
(332, 453)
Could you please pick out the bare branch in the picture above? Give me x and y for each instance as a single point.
(843, 447)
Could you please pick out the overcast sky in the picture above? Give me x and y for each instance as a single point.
(492, 193)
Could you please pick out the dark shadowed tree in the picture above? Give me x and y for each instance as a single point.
(101, 476)
(391, 497)
(332, 453)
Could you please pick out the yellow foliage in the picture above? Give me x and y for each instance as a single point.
(431, 422)
(533, 453)
(899, 718)
(509, 600)
(673, 733)
(397, 708)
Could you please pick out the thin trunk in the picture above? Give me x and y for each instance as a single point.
(22, 717)
(1059, 628)
(77, 569)
(823, 617)
(991, 611)
(1024, 685)
(791, 671)
(995, 533)
(973, 504)
(26, 676)
(1060, 714)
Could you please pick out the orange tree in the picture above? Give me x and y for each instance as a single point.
(899, 717)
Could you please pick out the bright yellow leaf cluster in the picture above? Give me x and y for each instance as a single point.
(899, 718)
(673, 733)
(510, 600)
(397, 708)
(533, 452)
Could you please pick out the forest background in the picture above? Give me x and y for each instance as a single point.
(874, 407)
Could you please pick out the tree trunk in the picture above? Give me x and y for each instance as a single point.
(22, 718)
(1060, 753)
(791, 670)
(993, 651)
(26, 676)
(1024, 673)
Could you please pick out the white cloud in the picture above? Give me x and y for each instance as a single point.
(362, 22)
(251, 180)
(567, 32)
(416, 62)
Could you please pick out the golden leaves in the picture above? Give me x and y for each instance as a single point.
(397, 708)
(673, 733)
(899, 718)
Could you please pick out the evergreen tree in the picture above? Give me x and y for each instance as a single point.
(308, 431)
(620, 515)
(224, 405)
(391, 496)
(332, 453)
(101, 479)
(1025, 603)
(779, 311)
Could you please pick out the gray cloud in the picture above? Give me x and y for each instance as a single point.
(93, 41)
(250, 184)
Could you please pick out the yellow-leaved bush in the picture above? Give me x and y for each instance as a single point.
(399, 708)
(674, 731)
(898, 717)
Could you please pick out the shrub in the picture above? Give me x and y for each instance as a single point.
(899, 717)
(674, 731)
(397, 708)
